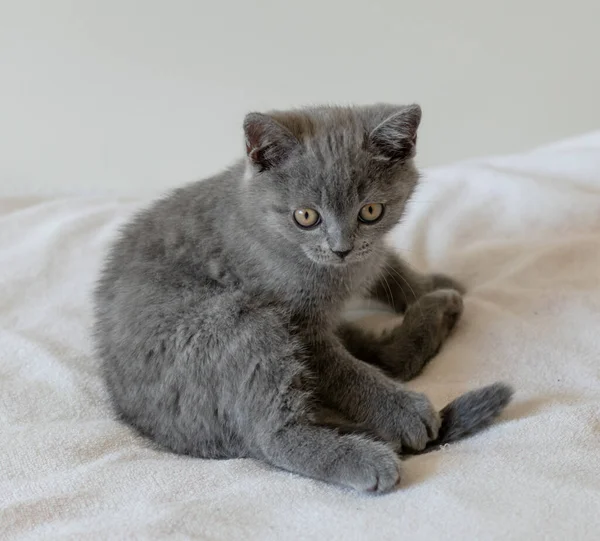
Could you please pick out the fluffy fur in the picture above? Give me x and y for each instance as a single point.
(218, 317)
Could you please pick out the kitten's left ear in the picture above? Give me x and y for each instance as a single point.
(268, 143)
(395, 138)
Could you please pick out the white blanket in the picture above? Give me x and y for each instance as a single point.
(522, 232)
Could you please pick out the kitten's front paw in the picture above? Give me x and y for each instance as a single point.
(367, 465)
(441, 281)
(417, 420)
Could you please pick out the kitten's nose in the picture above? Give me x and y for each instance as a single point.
(341, 253)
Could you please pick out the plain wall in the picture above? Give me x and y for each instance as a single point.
(138, 96)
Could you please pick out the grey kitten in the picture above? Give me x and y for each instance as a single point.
(218, 310)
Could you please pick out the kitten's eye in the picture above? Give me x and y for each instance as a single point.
(370, 213)
(307, 217)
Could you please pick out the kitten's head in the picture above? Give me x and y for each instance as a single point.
(331, 181)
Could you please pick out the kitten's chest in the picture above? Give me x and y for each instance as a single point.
(321, 296)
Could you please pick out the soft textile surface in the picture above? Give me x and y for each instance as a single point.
(522, 232)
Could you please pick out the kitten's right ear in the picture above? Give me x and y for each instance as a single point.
(268, 143)
(395, 138)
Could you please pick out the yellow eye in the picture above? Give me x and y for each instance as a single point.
(371, 212)
(306, 217)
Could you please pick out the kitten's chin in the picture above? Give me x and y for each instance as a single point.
(334, 263)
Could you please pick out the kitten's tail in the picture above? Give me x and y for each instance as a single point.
(470, 413)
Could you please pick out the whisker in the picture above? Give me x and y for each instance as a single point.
(390, 290)
(388, 268)
(391, 272)
(416, 298)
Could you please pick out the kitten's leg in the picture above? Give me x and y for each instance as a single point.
(226, 379)
(289, 433)
(366, 396)
(404, 351)
(266, 391)
(400, 286)
(280, 413)
(332, 418)
(351, 460)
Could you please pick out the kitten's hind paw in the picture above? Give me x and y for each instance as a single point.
(432, 318)
(441, 281)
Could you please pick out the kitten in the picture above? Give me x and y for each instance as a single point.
(218, 310)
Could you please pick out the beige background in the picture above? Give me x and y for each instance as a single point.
(136, 96)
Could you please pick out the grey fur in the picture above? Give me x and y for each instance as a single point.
(470, 413)
(218, 318)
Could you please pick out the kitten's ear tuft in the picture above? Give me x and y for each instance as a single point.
(268, 143)
(395, 138)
